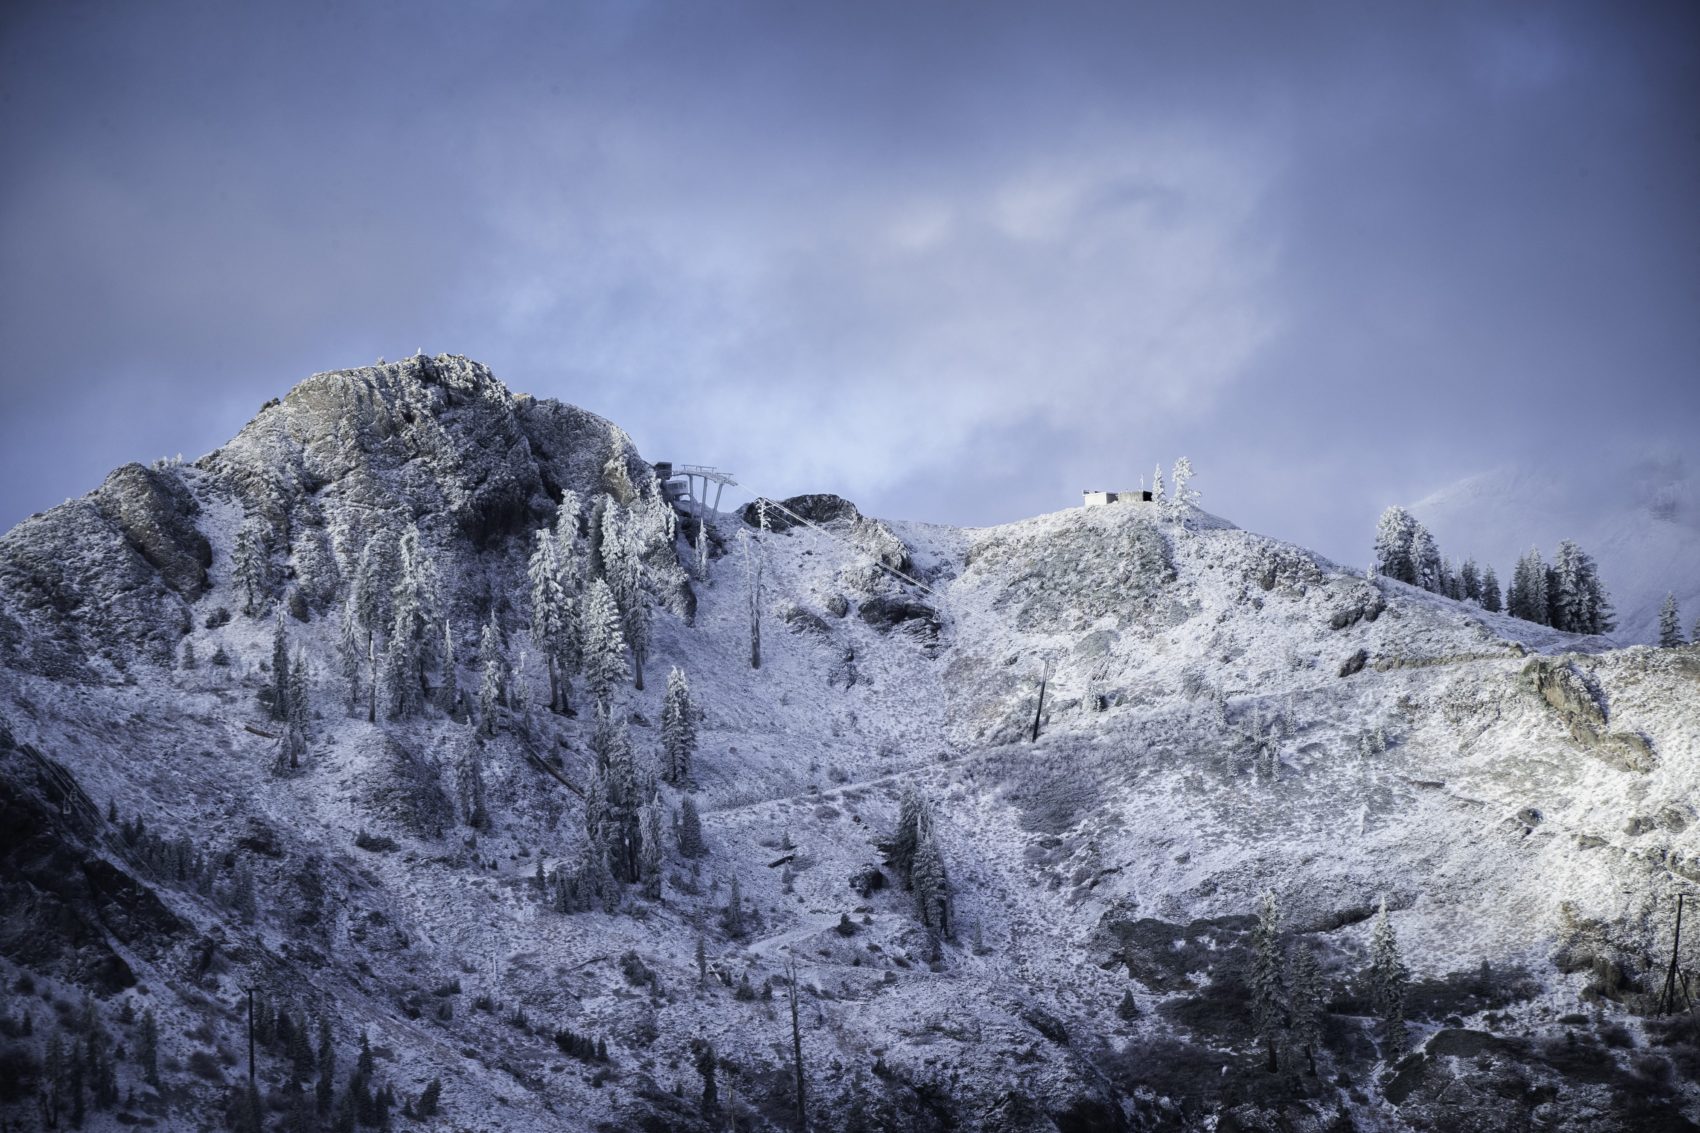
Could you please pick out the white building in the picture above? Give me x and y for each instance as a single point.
(1099, 499)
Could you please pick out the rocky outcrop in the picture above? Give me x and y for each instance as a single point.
(155, 513)
(1582, 709)
(68, 908)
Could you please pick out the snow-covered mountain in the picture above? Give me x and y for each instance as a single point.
(1639, 518)
(1219, 716)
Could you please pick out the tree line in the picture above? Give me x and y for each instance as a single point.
(1566, 594)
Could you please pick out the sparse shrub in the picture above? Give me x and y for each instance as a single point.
(218, 617)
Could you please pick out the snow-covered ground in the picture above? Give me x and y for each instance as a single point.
(1223, 715)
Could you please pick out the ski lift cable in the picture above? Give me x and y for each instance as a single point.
(891, 570)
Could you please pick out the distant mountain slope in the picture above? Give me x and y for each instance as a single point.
(1127, 725)
(1640, 520)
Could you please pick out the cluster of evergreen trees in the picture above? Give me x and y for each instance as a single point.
(914, 853)
(1288, 999)
(1566, 595)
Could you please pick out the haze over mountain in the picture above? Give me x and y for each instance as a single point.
(1112, 818)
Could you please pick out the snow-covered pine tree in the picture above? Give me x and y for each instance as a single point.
(368, 604)
(1305, 999)
(1268, 984)
(652, 855)
(595, 560)
(450, 693)
(549, 612)
(1527, 597)
(678, 729)
(316, 574)
(1565, 589)
(930, 881)
(1388, 980)
(519, 688)
(1184, 495)
(732, 918)
(616, 476)
(1490, 591)
(490, 668)
(900, 852)
(604, 643)
(280, 669)
(414, 607)
(1670, 623)
(622, 557)
(1470, 581)
(469, 784)
(350, 654)
(1394, 534)
(1597, 613)
(701, 548)
(621, 825)
(1157, 495)
(1425, 558)
(567, 520)
(753, 569)
(691, 844)
(251, 565)
(295, 738)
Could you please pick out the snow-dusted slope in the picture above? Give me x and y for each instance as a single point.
(1223, 715)
(1640, 522)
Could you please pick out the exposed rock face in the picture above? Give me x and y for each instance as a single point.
(68, 909)
(156, 514)
(816, 507)
(1583, 711)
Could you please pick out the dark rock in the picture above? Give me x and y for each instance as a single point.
(1046, 1024)
(1354, 663)
(806, 621)
(155, 513)
(816, 507)
(1581, 706)
(886, 614)
(868, 880)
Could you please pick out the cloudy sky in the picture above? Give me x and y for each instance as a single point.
(956, 261)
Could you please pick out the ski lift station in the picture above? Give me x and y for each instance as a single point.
(1100, 499)
(685, 486)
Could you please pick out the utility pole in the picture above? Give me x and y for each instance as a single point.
(1039, 712)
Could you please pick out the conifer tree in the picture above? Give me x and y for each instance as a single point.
(678, 729)
(1425, 557)
(1157, 496)
(1268, 987)
(250, 563)
(490, 668)
(1127, 1010)
(1527, 597)
(1470, 581)
(295, 736)
(621, 823)
(702, 547)
(1394, 536)
(651, 856)
(147, 1049)
(900, 854)
(702, 1057)
(412, 616)
(930, 881)
(604, 644)
(280, 669)
(1388, 980)
(469, 785)
(549, 613)
(350, 654)
(691, 844)
(1490, 591)
(732, 918)
(369, 605)
(450, 693)
(622, 555)
(325, 1088)
(1670, 624)
(1304, 982)
(1183, 495)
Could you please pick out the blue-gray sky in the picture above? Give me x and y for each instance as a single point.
(956, 261)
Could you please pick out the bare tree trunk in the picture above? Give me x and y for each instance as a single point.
(797, 1053)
